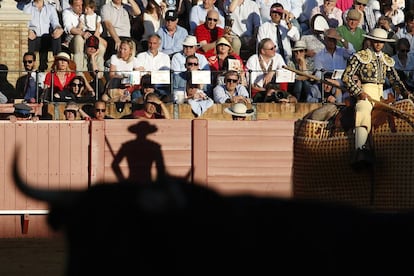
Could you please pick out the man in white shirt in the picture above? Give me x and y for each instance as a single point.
(287, 32)
(246, 20)
(263, 65)
(154, 60)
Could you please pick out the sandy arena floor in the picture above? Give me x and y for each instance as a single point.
(32, 257)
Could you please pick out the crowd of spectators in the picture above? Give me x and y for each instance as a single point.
(114, 50)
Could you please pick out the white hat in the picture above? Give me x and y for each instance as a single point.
(239, 109)
(379, 34)
(63, 56)
(190, 40)
(299, 45)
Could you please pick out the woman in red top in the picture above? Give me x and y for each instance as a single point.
(225, 60)
(62, 75)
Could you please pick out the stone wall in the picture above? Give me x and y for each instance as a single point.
(13, 38)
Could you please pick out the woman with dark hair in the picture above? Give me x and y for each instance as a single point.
(6, 88)
(76, 92)
(404, 62)
(153, 19)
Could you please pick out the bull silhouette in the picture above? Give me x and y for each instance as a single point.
(181, 228)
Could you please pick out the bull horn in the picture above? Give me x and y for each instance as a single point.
(60, 197)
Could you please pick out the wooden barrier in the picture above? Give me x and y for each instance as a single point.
(263, 111)
(253, 157)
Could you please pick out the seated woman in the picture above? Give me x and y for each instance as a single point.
(75, 92)
(121, 66)
(219, 63)
(60, 76)
(404, 62)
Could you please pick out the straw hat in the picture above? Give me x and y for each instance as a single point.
(71, 106)
(239, 109)
(63, 56)
(299, 45)
(190, 40)
(379, 34)
(224, 41)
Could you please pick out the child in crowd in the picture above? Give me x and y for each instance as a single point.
(92, 22)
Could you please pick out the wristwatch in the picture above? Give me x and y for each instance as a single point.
(342, 40)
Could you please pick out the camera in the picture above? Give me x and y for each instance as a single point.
(279, 95)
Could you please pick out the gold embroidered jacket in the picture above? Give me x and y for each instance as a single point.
(371, 69)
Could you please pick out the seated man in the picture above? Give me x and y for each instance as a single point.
(232, 91)
(171, 34)
(155, 60)
(323, 92)
(264, 65)
(75, 35)
(45, 31)
(208, 33)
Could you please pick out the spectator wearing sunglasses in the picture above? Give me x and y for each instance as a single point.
(26, 84)
(76, 92)
(231, 91)
(99, 112)
(180, 80)
(404, 62)
(304, 64)
(198, 14)
(351, 32)
(208, 33)
(368, 15)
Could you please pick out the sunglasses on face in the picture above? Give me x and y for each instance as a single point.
(100, 109)
(212, 19)
(186, 46)
(76, 84)
(27, 61)
(404, 50)
(271, 49)
(192, 64)
(361, 4)
(231, 81)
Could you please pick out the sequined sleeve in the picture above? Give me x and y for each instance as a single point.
(352, 69)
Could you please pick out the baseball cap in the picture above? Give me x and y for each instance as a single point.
(92, 41)
(171, 15)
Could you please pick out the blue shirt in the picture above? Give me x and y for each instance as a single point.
(42, 20)
(172, 44)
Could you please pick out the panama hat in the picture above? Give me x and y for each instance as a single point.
(190, 40)
(63, 56)
(299, 45)
(71, 106)
(223, 41)
(239, 109)
(379, 34)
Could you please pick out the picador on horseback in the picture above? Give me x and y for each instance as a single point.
(372, 66)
